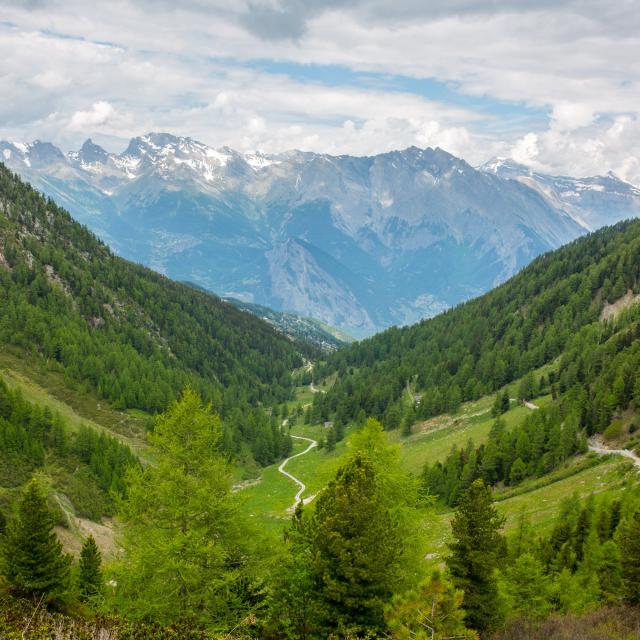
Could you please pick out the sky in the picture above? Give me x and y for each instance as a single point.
(554, 84)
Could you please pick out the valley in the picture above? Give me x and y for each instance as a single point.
(186, 441)
(540, 500)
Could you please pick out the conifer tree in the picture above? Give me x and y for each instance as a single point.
(432, 611)
(356, 549)
(527, 589)
(32, 559)
(359, 536)
(187, 544)
(610, 571)
(630, 552)
(89, 570)
(475, 554)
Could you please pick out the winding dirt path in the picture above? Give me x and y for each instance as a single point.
(597, 446)
(301, 485)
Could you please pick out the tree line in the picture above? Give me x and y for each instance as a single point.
(126, 334)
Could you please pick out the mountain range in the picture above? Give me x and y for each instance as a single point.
(360, 243)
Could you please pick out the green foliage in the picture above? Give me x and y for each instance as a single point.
(476, 552)
(526, 589)
(538, 445)
(354, 551)
(32, 560)
(89, 581)
(614, 430)
(187, 544)
(550, 309)
(89, 465)
(630, 553)
(357, 549)
(294, 608)
(123, 332)
(432, 611)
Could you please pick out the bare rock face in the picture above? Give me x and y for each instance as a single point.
(359, 243)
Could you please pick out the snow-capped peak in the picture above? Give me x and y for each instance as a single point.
(259, 160)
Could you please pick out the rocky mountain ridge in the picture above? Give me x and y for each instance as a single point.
(360, 243)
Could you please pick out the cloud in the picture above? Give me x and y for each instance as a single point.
(99, 114)
(567, 116)
(610, 144)
(270, 73)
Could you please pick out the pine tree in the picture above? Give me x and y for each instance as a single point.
(475, 554)
(506, 402)
(89, 570)
(33, 562)
(360, 536)
(630, 552)
(356, 549)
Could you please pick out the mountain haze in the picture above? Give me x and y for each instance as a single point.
(360, 243)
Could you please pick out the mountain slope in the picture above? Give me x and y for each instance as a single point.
(359, 243)
(308, 330)
(128, 335)
(481, 345)
(593, 202)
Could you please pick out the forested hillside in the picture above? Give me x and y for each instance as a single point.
(86, 466)
(479, 346)
(128, 335)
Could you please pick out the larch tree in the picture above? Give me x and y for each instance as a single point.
(185, 538)
(629, 542)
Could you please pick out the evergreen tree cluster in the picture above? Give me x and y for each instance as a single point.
(538, 445)
(345, 560)
(121, 331)
(31, 437)
(595, 384)
(480, 346)
(591, 558)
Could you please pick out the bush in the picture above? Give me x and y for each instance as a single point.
(617, 623)
(614, 430)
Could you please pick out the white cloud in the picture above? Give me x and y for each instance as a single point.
(525, 150)
(170, 67)
(568, 116)
(99, 115)
(607, 145)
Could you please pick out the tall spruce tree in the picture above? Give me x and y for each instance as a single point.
(360, 535)
(356, 550)
(33, 562)
(476, 551)
(89, 570)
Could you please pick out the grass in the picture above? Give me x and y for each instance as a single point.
(47, 385)
(48, 389)
(432, 440)
(540, 504)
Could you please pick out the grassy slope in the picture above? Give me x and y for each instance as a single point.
(49, 389)
(540, 498)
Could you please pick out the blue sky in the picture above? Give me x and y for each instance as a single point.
(555, 85)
